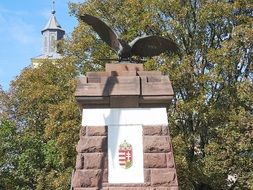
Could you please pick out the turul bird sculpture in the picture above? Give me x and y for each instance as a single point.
(145, 46)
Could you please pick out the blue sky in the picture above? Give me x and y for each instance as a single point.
(21, 22)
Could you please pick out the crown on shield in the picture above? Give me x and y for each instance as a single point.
(125, 146)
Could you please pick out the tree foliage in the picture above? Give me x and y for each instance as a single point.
(210, 119)
(42, 139)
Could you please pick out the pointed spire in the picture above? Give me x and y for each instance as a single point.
(51, 33)
(53, 9)
(52, 22)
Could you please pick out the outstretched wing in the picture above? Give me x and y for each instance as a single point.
(149, 46)
(104, 31)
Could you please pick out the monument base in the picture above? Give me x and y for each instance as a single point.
(124, 142)
(92, 159)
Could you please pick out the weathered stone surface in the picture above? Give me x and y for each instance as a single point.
(163, 177)
(165, 130)
(82, 131)
(98, 74)
(86, 188)
(170, 160)
(164, 188)
(90, 89)
(124, 101)
(174, 187)
(123, 86)
(147, 175)
(156, 144)
(79, 161)
(155, 160)
(155, 86)
(150, 88)
(96, 130)
(105, 177)
(110, 67)
(153, 78)
(152, 130)
(92, 144)
(94, 161)
(123, 73)
(128, 185)
(87, 178)
(149, 73)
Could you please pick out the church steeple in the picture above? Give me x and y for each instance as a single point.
(50, 34)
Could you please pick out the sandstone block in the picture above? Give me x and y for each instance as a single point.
(86, 188)
(149, 73)
(93, 161)
(165, 130)
(96, 131)
(164, 188)
(92, 144)
(129, 184)
(147, 175)
(124, 101)
(170, 160)
(105, 177)
(79, 161)
(87, 178)
(152, 130)
(156, 86)
(109, 67)
(155, 160)
(174, 188)
(156, 144)
(163, 177)
(82, 131)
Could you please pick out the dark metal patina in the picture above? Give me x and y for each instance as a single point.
(146, 46)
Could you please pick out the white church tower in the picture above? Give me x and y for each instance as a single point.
(50, 34)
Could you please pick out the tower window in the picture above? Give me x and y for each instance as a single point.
(52, 43)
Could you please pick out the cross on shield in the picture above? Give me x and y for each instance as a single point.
(125, 155)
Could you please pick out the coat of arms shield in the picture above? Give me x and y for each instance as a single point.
(125, 155)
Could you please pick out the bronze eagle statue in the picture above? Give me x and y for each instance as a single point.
(146, 46)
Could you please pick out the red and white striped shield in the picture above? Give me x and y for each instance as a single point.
(125, 155)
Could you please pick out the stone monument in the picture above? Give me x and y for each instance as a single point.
(124, 140)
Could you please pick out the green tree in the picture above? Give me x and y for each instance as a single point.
(8, 144)
(4, 98)
(8, 153)
(47, 119)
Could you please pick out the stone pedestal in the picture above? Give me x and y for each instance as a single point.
(106, 99)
